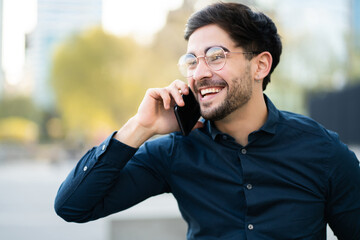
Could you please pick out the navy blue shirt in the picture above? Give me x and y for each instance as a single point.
(290, 180)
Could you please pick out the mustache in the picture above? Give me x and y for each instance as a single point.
(209, 83)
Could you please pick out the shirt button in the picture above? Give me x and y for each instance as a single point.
(250, 227)
(249, 186)
(243, 151)
(103, 147)
(85, 168)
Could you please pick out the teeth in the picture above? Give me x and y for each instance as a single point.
(209, 90)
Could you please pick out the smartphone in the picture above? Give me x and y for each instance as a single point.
(189, 114)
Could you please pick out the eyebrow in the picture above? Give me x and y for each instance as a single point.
(206, 49)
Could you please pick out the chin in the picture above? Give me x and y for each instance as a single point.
(212, 115)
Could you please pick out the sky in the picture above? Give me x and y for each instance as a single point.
(153, 12)
(16, 22)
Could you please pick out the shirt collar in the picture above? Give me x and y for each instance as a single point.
(269, 126)
(212, 130)
(273, 117)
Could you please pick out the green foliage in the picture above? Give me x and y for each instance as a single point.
(17, 129)
(169, 43)
(353, 68)
(96, 82)
(99, 79)
(19, 106)
(19, 120)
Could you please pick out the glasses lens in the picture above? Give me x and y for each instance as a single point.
(187, 64)
(215, 58)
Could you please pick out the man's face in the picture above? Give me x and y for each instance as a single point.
(224, 91)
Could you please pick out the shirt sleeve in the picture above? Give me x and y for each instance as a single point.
(105, 181)
(343, 203)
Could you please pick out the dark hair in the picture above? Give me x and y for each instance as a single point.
(253, 31)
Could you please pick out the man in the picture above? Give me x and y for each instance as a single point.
(249, 171)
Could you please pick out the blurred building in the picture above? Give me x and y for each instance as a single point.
(56, 21)
(339, 112)
(1, 47)
(355, 21)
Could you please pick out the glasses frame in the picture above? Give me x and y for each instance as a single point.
(226, 53)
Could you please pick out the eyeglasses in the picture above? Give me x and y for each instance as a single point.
(215, 58)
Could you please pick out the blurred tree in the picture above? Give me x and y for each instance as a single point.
(19, 106)
(353, 63)
(18, 130)
(19, 119)
(98, 80)
(169, 43)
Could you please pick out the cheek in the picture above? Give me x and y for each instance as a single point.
(227, 74)
(191, 83)
(231, 68)
(235, 70)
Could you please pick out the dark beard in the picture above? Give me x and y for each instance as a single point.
(236, 98)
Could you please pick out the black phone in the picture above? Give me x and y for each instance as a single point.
(188, 115)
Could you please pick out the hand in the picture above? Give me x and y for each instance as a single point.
(156, 111)
(155, 114)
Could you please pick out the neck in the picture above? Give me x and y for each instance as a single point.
(245, 120)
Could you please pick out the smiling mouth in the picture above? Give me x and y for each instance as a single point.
(210, 91)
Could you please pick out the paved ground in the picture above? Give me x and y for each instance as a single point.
(26, 205)
(27, 191)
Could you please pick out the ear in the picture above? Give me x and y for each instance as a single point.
(263, 65)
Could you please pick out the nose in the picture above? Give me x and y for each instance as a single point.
(202, 70)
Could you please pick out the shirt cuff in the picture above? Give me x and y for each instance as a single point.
(114, 152)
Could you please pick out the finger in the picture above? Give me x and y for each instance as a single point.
(161, 95)
(183, 87)
(176, 89)
(176, 95)
(165, 96)
(154, 93)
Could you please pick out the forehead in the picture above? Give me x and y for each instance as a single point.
(208, 36)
